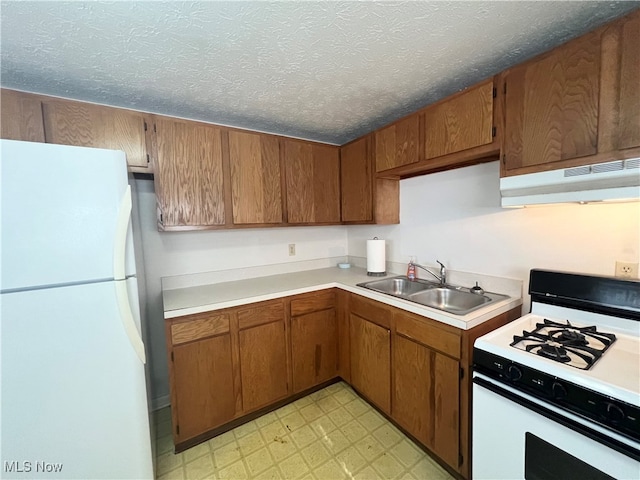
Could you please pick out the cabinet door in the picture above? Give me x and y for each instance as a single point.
(552, 106)
(426, 397)
(203, 376)
(371, 361)
(356, 180)
(255, 178)
(21, 117)
(87, 125)
(629, 100)
(314, 348)
(463, 122)
(189, 180)
(313, 182)
(398, 144)
(263, 365)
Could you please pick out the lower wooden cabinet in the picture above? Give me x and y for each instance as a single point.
(314, 340)
(263, 365)
(425, 397)
(371, 361)
(201, 369)
(227, 364)
(203, 374)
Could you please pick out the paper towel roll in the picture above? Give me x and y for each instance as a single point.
(376, 262)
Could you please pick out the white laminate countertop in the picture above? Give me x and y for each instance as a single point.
(216, 296)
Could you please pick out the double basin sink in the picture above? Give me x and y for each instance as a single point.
(449, 298)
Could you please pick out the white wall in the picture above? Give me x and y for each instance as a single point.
(181, 253)
(455, 217)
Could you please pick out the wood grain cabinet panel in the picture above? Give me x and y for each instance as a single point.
(203, 386)
(398, 144)
(426, 397)
(356, 180)
(199, 326)
(462, 122)
(314, 348)
(188, 178)
(552, 106)
(629, 97)
(366, 199)
(255, 178)
(371, 361)
(88, 125)
(263, 365)
(313, 302)
(313, 182)
(412, 395)
(21, 116)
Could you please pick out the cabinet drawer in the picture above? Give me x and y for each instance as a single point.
(260, 314)
(313, 302)
(370, 310)
(423, 331)
(199, 326)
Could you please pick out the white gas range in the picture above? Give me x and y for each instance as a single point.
(556, 393)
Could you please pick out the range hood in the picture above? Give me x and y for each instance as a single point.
(611, 181)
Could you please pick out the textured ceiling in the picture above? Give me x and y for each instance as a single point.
(326, 71)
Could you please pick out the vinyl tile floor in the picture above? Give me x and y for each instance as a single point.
(329, 435)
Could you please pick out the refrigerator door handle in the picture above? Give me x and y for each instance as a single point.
(120, 240)
(126, 315)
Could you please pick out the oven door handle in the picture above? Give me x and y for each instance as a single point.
(599, 437)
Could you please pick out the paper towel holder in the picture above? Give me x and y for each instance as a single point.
(376, 274)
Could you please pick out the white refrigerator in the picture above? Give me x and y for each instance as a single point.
(73, 394)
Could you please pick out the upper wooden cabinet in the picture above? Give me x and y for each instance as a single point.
(21, 117)
(460, 122)
(552, 105)
(88, 125)
(255, 178)
(365, 198)
(621, 40)
(313, 182)
(188, 178)
(577, 104)
(356, 180)
(398, 144)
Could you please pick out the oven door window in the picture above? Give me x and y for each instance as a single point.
(543, 461)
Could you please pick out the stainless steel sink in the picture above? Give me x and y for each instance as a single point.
(449, 298)
(397, 286)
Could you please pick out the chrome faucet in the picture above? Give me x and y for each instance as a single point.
(443, 272)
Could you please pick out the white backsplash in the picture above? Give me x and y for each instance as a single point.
(218, 276)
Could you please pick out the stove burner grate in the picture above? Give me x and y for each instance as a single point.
(578, 347)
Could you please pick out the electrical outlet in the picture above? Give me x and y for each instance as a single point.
(626, 270)
(292, 249)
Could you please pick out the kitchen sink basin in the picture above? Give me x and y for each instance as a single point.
(449, 298)
(398, 286)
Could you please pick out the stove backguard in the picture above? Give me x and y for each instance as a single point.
(591, 293)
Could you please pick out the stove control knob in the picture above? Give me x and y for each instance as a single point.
(558, 390)
(514, 373)
(615, 413)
